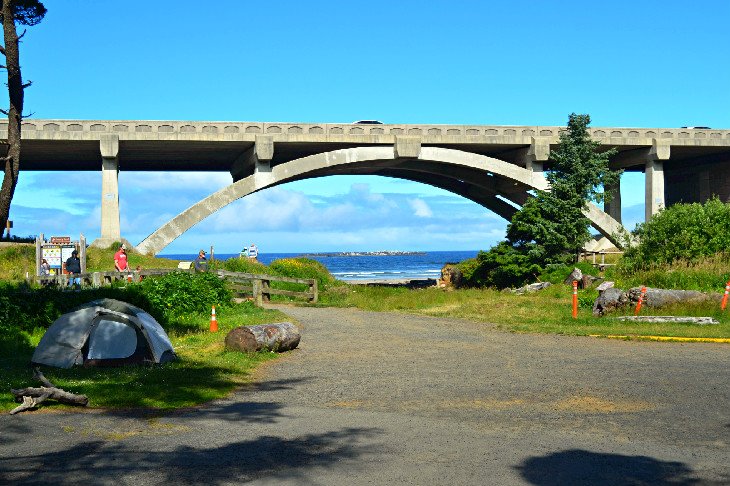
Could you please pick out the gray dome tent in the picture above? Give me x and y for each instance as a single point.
(104, 332)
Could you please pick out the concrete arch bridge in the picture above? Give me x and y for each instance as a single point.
(495, 166)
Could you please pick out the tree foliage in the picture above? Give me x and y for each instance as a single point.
(551, 227)
(12, 12)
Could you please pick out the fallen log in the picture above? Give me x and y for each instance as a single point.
(31, 397)
(282, 336)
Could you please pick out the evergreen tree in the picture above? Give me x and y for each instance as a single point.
(551, 226)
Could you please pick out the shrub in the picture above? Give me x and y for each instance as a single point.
(180, 292)
(681, 232)
(472, 273)
(303, 268)
(505, 266)
(243, 265)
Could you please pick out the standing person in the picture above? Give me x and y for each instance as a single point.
(201, 264)
(73, 266)
(253, 252)
(120, 259)
(244, 253)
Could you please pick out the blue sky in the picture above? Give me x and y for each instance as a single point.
(638, 64)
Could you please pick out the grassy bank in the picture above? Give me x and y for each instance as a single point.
(547, 311)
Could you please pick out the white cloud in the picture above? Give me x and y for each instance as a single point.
(420, 208)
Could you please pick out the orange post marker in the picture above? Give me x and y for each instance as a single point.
(213, 321)
(724, 297)
(575, 299)
(641, 299)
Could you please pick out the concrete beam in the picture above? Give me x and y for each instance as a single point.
(654, 195)
(255, 159)
(407, 147)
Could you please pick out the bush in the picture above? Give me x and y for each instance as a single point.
(303, 268)
(472, 273)
(180, 292)
(243, 265)
(505, 266)
(681, 232)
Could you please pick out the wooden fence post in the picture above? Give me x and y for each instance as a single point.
(257, 292)
(313, 291)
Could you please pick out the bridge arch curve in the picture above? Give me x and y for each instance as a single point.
(485, 180)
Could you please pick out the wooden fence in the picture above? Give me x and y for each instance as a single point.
(260, 286)
(242, 284)
(602, 264)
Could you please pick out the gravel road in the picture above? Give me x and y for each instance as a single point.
(384, 398)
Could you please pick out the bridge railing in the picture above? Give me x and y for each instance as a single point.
(242, 284)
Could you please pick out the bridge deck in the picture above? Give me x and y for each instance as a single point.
(213, 146)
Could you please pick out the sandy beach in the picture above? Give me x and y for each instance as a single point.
(401, 282)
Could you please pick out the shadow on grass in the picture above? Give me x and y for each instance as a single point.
(276, 458)
(174, 385)
(580, 467)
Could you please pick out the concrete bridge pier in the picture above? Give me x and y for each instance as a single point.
(613, 206)
(654, 178)
(110, 230)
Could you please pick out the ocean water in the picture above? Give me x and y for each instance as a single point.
(369, 267)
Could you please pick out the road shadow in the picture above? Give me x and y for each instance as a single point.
(580, 467)
(276, 458)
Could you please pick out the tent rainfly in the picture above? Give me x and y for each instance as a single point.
(104, 332)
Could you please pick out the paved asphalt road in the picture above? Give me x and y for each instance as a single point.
(373, 398)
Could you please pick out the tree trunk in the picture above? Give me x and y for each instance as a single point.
(15, 111)
(282, 336)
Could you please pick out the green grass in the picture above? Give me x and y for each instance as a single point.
(547, 311)
(204, 371)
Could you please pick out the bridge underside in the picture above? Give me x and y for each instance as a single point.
(497, 185)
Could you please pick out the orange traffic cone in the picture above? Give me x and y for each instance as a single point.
(213, 321)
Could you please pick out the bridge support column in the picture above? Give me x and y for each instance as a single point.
(254, 160)
(110, 231)
(535, 156)
(654, 178)
(613, 207)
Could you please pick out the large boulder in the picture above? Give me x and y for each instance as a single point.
(451, 276)
(576, 274)
(533, 287)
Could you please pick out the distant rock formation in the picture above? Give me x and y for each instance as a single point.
(363, 253)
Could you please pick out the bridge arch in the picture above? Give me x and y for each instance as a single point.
(485, 180)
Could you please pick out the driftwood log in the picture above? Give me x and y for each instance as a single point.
(31, 397)
(612, 299)
(282, 336)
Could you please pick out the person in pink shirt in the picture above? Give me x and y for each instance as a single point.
(120, 259)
